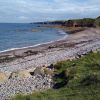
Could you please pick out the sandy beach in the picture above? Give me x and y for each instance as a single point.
(72, 47)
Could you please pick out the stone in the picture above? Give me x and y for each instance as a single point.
(21, 74)
(3, 77)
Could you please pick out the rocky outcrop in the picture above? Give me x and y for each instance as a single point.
(3, 77)
(20, 74)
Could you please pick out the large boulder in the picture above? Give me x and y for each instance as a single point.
(38, 71)
(3, 77)
(20, 74)
(43, 71)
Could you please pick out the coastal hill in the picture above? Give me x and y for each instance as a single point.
(85, 22)
(72, 25)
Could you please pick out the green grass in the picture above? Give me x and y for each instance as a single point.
(77, 80)
(98, 27)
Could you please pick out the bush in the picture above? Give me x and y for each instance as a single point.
(60, 65)
(47, 71)
(64, 77)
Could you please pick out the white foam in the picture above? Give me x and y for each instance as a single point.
(11, 49)
(61, 32)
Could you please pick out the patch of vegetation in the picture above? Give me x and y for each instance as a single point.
(97, 22)
(74, 80)
(47, 71)
(90, 80)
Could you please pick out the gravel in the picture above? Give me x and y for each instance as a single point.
(26, 85)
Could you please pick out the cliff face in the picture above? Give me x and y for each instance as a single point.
(85, 22)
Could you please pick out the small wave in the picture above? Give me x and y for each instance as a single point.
(61, 32)
(12, 49)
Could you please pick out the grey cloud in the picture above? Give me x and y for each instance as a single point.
(40, 10)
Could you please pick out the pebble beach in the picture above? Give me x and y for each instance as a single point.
(24, 61)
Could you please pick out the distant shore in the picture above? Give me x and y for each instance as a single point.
(66, 29)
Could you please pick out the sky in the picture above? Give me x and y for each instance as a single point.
(22, 11)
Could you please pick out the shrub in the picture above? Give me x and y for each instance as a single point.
(59, 65)
(47, 71)
(64, 77)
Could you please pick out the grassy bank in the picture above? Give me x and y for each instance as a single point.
(74, 80)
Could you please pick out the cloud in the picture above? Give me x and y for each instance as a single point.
(40, 10)
(23, 18)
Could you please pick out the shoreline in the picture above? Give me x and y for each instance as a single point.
(69, 41)
(45, 45)
(65, 30)
(33, 46)
(17, 63)
(36, 45)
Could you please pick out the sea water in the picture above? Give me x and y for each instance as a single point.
(18, 35)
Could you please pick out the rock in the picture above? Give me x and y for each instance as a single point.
(48, 72)
(51, 66)
(3, 77)
(98, 49)
(35, 30)
(21, 74)
(38, 71)
(95, 51)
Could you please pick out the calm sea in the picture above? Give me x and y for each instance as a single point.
(21, 35)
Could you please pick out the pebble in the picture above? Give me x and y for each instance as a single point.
(26, 85)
